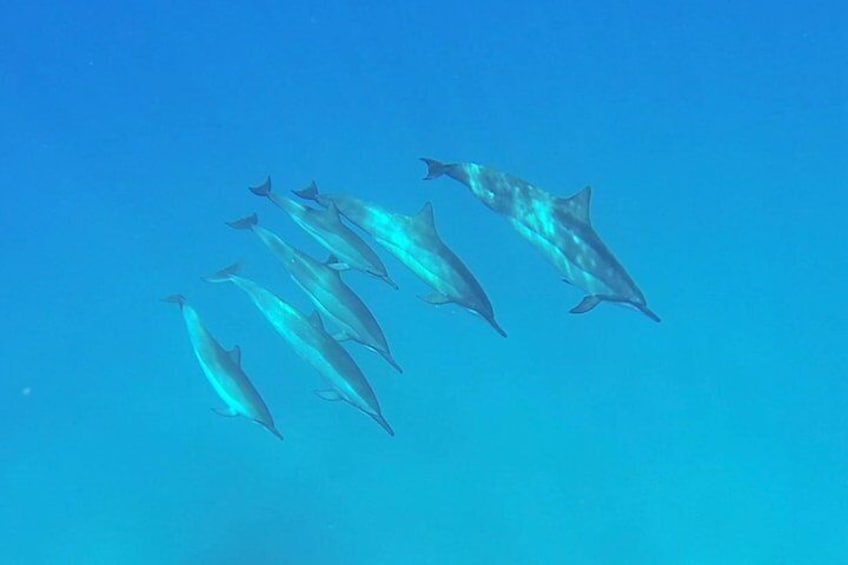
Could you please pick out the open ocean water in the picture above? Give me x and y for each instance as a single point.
(715, 137)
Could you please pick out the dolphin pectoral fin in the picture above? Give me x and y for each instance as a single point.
(586, 304)
(235, 355)
(342, 336)
(436, 299)
(225, 412)
(329, 394)
(334, 263)
(315, 320)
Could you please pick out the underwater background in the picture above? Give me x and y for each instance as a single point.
(714, 136)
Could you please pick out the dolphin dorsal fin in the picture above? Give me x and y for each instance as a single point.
(315, 320)
(578, 204)
(235, 355)
(333, 210)
(425, 214)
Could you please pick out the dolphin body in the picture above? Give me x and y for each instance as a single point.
(331, 233)
(559, 227)
(223, 371)
(307, 336)
(326, 290)
(414, 241)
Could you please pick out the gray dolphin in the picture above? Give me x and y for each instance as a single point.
(559, 227)
(327, 229)
(414, 241)
(223, 371)
(307, 336)
(326, 289)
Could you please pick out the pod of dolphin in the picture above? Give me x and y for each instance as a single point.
(560, 228)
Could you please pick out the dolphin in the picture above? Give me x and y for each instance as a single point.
(560, 228)
(326, 289)
(331, 233)
(414, 241)
(307, 336)
(224, 372)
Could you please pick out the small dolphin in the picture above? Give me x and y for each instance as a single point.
(307, 336)
(327, 229)
(416, 243)
(326, 289)
(559, 227)
(223, 370)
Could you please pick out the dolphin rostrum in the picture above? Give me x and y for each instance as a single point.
(308, 338)
(224, 372)
(331, 233)
(414, 241)
(560, 228)
(326, 290)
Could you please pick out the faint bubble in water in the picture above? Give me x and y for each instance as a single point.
(26, 391)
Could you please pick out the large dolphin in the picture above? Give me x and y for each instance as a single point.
(326, 289)
(560, 228)
(416, 243)
(307, 336)
(327, 229)
(223, 371)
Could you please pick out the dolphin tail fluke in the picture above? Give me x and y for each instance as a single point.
(245, 223)
(308, 193)
(435, 168)
(263, 189)
(225, 274)
(175, 299)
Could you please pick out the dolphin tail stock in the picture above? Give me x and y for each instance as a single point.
(224, 275)
(245, 223)
(263, 189)
(175, 299)
(308, 193)
(435, 168)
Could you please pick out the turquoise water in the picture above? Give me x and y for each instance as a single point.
(714, 137)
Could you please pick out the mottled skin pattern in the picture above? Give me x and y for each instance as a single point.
(308, 338)
(326, 289)
(414, 241)
(223, 370)
(329, 231)
(559, 227)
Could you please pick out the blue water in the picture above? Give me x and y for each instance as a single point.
(714, 137)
